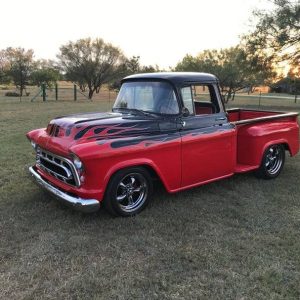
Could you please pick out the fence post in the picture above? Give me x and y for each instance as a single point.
(295, 98)
(259, 98)
(56, 91)
(44, 91)
(75, 92)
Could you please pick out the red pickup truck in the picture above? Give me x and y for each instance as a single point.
(167, 126)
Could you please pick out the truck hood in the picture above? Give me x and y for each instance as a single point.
(98, 126)
(65, 132)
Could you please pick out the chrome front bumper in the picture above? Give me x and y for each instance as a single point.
(84, 205)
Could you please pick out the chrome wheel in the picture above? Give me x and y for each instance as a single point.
(272, 162)
(131, 192)
(274, 159)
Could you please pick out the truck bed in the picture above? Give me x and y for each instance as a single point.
(257, 129)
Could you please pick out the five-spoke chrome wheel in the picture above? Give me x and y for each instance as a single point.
(272, 162)
(132, 192)
(128, 191)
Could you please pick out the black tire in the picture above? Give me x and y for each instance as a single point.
(272, 162)
(128, 192)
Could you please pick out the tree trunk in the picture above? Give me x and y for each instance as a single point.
(233, 95)
(91, 93)
(228, 96)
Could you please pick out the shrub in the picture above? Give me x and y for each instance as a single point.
(15, 94)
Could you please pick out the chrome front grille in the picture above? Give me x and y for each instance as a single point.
(59, 167)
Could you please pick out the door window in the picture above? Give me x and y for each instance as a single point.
(200, 99)
(187, 98)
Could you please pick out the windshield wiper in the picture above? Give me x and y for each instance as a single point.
(135, 111)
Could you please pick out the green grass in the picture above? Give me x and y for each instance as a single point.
(233, 239)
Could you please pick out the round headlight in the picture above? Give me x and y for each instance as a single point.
(33, 144)
(77, 163)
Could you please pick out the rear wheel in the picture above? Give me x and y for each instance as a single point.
(128, 192)
(272, 162)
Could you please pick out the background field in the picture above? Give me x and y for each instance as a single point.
(233, 239)
(65, 92)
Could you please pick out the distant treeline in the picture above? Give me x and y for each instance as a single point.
(91, 63)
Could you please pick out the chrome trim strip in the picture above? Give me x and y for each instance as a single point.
(233, 109)
(84, 205)
(68, 161)
(266, 118)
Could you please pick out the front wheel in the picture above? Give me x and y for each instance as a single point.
(272, 162)
(128, 192)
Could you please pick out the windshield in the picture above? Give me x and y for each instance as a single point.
(154, 97)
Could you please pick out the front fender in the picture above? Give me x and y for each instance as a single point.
(161, 153)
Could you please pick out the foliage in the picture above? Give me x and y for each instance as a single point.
(4, 67)
(130, 66)
(277, 33)
(127, 67)
(19, 66)
(290, 85)
(15, 94)
(90, 63)
(45, 73)
(235, 69)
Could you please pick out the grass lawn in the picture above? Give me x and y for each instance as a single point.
(233, 239)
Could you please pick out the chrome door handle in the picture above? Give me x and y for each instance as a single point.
(220, 119)
(182, 123)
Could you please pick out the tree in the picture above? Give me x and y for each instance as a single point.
(4, 67)
(90, 63)
(132, 65)
(128, 67)
(277, 32)
(235, 69)
(45, 72)
(20, 64)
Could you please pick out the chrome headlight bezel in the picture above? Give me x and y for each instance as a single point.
(33, 144)
(77, 163)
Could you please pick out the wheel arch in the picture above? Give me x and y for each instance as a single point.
(282, 142)
(287, 148)
(146, 164)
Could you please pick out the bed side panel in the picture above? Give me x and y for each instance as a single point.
(253, 139)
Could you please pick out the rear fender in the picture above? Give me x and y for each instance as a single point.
(253, 140)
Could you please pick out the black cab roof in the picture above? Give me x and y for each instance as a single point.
(175, 77)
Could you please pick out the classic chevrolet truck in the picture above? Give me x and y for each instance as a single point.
(167, 126)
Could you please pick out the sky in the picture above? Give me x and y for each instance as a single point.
(161, 32)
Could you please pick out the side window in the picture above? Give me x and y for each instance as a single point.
(205, 99)
(187, 97)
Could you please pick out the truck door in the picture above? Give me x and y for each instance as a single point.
(208, 139)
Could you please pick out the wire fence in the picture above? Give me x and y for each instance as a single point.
(270, 99)
(66, 91)
(59, 92)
